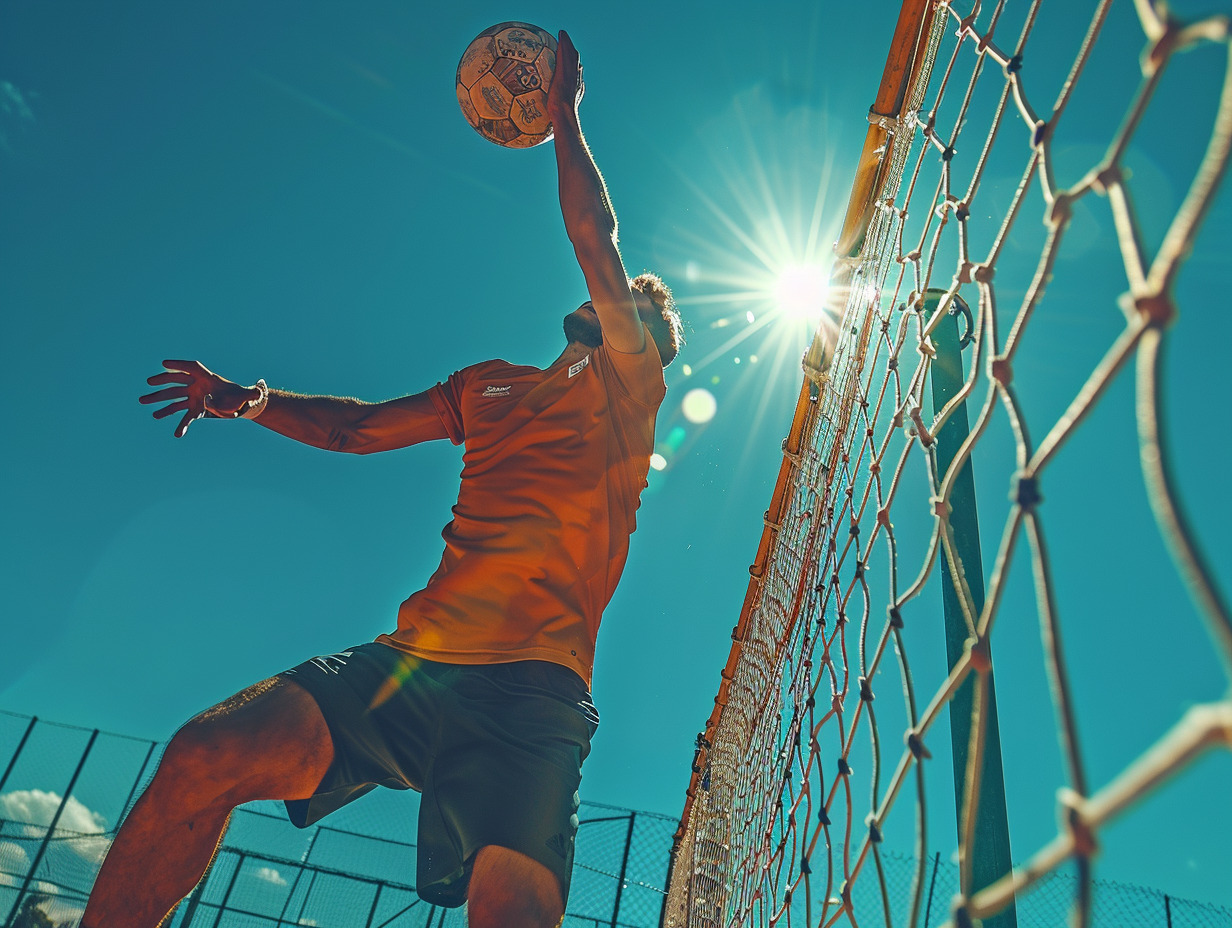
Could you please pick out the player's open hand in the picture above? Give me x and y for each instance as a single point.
(567, 87)
(197, 392)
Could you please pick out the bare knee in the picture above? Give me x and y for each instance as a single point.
(203, 764)
(512, 890)
(268, 741)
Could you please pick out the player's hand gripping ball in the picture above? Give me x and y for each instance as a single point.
(503, 80)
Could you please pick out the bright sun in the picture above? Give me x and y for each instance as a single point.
(801, 290)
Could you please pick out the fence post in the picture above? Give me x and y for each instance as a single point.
(194, 900)
(303, 861)
(624, 867)
(51, 829)
(375, 900)
(20, 747)
(235, 875)
(1168, 909)
(137, 782)
(928, 906)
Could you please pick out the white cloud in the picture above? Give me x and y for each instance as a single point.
(14, 862)
(36, 807)
(14, 111)
(270, 875)
(13, 103)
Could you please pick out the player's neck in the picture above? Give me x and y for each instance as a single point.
(574, 352)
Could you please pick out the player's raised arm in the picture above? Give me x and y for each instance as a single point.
(329, 422)
(590, 220)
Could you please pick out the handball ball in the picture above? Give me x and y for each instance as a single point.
(503, 80)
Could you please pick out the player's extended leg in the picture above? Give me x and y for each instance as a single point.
(267, 742)
(509, 890)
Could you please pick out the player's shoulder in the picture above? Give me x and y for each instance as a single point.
(495, 366)
(638, 375)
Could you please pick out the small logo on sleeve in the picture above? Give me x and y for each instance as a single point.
(492, 390)
(580, 366)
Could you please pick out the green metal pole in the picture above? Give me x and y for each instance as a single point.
(991, 854)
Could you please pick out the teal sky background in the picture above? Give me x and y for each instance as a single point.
(288, 191)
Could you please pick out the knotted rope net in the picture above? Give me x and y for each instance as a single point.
(956, 236)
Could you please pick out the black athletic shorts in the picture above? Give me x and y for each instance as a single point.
(496, 750)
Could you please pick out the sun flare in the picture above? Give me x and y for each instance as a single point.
(801, 290)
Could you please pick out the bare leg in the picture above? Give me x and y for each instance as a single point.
(267, 742)
(509, 890)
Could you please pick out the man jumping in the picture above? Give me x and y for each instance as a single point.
(480, 697)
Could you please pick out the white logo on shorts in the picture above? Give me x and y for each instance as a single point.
(580, 366)
(329, 663)
(497, 391)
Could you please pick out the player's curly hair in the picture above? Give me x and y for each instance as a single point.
(666, 328)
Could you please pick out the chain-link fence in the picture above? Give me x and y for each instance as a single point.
(63, 790)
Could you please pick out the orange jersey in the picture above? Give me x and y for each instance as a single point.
(552, 477)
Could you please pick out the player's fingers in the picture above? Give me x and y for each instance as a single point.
(168, 377)
(171, 410)
(159, 396)
(189, 419)
(188, 367)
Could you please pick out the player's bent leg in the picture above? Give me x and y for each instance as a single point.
(511, 890)
(267, 742)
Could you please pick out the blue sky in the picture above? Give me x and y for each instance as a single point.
(288, 191)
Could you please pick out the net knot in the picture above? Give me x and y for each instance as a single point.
(981, 654)
(1000, 370)
(947, 153)
(941, 509)
(844, 768)
(805, 869)
(896, 617)
(1106, 177)
(822, 817)
(1039, 133)
(866, 690)
(916, 746)
(1085, 842)
(961, 917)
(883, 515)
(984, 273)
(1157, 308)
(874, 829)
(1014, 65)
(926, 438)
(1060, 211)
(1024, 490)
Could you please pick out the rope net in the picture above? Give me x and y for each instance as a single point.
(955, 235)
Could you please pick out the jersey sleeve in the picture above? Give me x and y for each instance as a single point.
(639, 376)
(447, 398)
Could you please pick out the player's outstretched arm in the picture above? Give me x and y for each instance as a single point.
(330, 422)
(590, 220)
